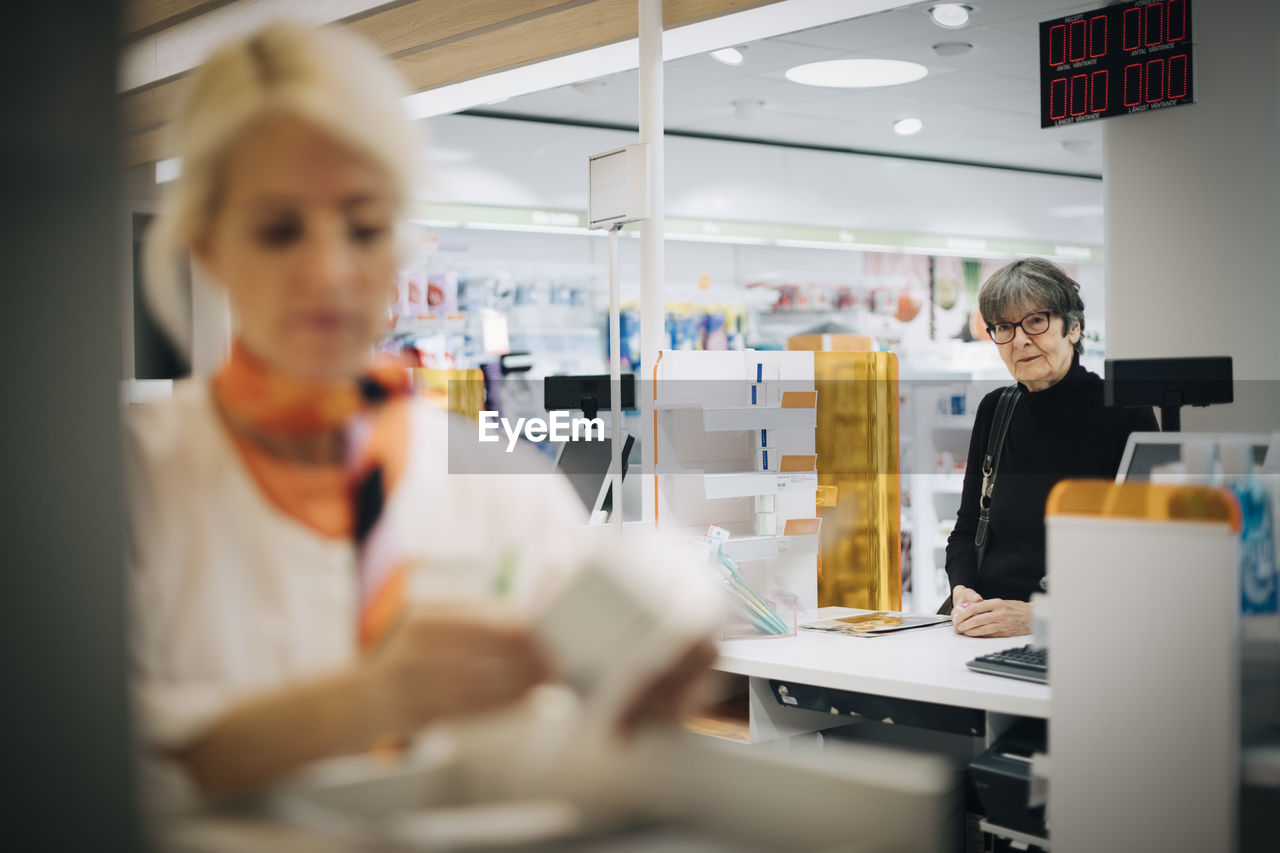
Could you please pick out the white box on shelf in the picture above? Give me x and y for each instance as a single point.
(764, 371)
(764, 394)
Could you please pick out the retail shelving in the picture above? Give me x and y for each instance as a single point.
(705, 462)
(937, 416)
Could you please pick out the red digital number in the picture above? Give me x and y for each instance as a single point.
(1155, 80)
(1177, 77)
(1097, 36)
(1078, 43)
(1175, 28)
(1058, 99)
(1079, 94)
(1132, 37)
(1133, 84)
(1153, 25)
(1097, 86)
(1058, 44)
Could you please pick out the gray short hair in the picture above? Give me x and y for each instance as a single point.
(1033, 281)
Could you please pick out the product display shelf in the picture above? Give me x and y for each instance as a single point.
(938, 440)
(745, 544)
(730, 479)
(737, 418)
(705, 469)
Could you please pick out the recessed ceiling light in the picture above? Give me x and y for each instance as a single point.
(950, 15)
(907, 126)
(728, 55)
(857, 73)
(952, 48)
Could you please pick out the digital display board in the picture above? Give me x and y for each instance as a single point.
(1127, 58)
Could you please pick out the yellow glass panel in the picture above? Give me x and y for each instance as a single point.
(859, 552)
(460, 391)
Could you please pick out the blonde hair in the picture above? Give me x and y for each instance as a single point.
(323, 75)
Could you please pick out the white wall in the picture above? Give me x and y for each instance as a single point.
(1193, 216)
(494, 161)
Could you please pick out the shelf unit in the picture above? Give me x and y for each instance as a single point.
(704, 462)
(938, 443)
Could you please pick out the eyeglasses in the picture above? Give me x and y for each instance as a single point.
(1035, 323)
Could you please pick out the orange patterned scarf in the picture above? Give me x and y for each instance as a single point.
(370, 417)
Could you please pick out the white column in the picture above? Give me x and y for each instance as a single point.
(652, 315)
(1192, 199)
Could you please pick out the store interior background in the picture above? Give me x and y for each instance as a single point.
(1192, 215)
(792, 208)
(504, 213)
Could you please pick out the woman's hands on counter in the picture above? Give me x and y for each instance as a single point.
(975, 616)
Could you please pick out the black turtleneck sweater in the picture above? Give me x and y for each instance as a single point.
(1060, 432)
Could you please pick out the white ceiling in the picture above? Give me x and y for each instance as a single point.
(980, 107)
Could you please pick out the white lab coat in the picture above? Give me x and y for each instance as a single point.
(230, 597)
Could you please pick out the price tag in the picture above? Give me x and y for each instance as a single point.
(783, 482)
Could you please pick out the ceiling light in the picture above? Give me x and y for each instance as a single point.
(856, 73)
(728, 55)
(747, 109)
(907, 126)
(950, 15)
(952, 48)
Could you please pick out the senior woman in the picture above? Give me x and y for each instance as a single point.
(281, 512)
(1058, 428)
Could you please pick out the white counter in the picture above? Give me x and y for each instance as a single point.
(923, 664)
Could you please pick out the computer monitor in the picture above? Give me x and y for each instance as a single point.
(1147, 450)
(1169, 383)
(586, 465)
(591, 393)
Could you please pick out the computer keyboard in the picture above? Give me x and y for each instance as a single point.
(1024, 662)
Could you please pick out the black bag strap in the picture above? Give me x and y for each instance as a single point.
(990, 464)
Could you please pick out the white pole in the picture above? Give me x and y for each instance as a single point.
(652, 313)
(615, 381)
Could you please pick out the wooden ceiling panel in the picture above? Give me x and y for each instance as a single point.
(416, 25)
(146, 108)
(531, 40)
(677, 13)
(146, 16)
(432, 42)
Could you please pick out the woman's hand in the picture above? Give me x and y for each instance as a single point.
(668, 697)
(992, 617)
(962, 596)
(441, 663)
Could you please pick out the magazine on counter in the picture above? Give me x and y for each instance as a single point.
(874, 624)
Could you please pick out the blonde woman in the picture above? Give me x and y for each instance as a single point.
(280, 510)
